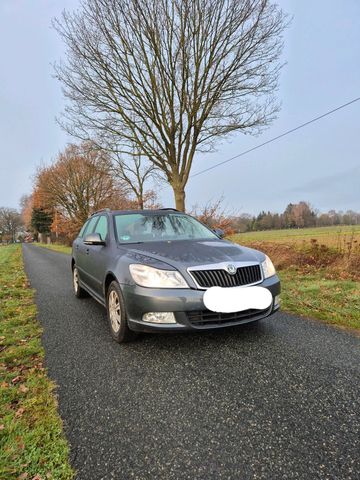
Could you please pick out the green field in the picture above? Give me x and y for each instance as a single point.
(330, 236)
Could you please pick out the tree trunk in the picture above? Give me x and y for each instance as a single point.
(140, 202)
(179, 194)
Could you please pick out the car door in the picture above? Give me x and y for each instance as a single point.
(81, 251)
(97, 256)
(77, 244)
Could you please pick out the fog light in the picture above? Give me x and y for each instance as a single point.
(159, 317)
(277, 300)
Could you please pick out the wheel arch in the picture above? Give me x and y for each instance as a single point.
(110, 277)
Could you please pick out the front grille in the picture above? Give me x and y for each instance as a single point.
(207, 318)
(221, 278)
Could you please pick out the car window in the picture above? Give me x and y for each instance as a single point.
(81, 233)
(90, 226)
(159, 227)
(102, 227)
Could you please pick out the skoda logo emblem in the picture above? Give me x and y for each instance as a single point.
(231, 269)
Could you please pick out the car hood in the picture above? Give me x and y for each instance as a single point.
(189, 253)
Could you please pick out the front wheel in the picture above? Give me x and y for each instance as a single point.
(78, 291)
(117, 316)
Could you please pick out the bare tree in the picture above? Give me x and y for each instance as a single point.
(26, 206)
(215, 215)
(10, 223)
(171, 76)
(134, 172)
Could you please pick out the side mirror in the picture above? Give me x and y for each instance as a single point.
(93, 239)
(218, 232)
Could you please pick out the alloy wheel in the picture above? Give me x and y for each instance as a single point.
(76, 280)
(114, 311)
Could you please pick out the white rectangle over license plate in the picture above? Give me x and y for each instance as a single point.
(237, 299)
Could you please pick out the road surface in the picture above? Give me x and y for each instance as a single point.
(277, 401)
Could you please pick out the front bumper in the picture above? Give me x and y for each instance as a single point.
(140, 300)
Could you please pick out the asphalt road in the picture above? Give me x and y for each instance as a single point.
(277, 401)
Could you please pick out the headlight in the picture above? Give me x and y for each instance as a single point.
(155, 278)
(268, 267)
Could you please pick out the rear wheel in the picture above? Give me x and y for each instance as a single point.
(117, 316)
(79, 292)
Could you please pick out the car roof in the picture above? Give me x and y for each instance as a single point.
(144, 211)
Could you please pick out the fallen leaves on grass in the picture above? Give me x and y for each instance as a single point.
(23, 476)
(16, 380)
(23, 389)
(19, 412)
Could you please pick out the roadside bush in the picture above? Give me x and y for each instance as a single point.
(214, 215)
(312, 256)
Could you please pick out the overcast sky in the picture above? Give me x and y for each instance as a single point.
(320, 163)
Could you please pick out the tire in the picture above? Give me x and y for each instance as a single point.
(78, 291)
(117, 315)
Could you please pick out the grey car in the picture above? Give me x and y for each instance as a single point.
(163, 270)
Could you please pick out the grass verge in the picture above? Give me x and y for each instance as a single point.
(313, 295)
(32, 443)
(56, 247)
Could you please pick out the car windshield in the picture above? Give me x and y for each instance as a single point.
(138, 227)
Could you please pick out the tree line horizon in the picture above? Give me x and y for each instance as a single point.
(38, 220)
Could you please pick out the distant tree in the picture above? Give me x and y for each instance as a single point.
(334, 217)
(78, 183)
(41, 220)
(288, 216)
(24, 201)
(170, 76)
(266, 222)
(323, 220)
(242, 223)
(351, 218)
(10, 223)
(277, 221)
(257, 224)
(302, 215)
(26, 208)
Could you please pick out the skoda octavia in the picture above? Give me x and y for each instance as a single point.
(163, 270)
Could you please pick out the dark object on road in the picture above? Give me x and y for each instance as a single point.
(163, 270)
